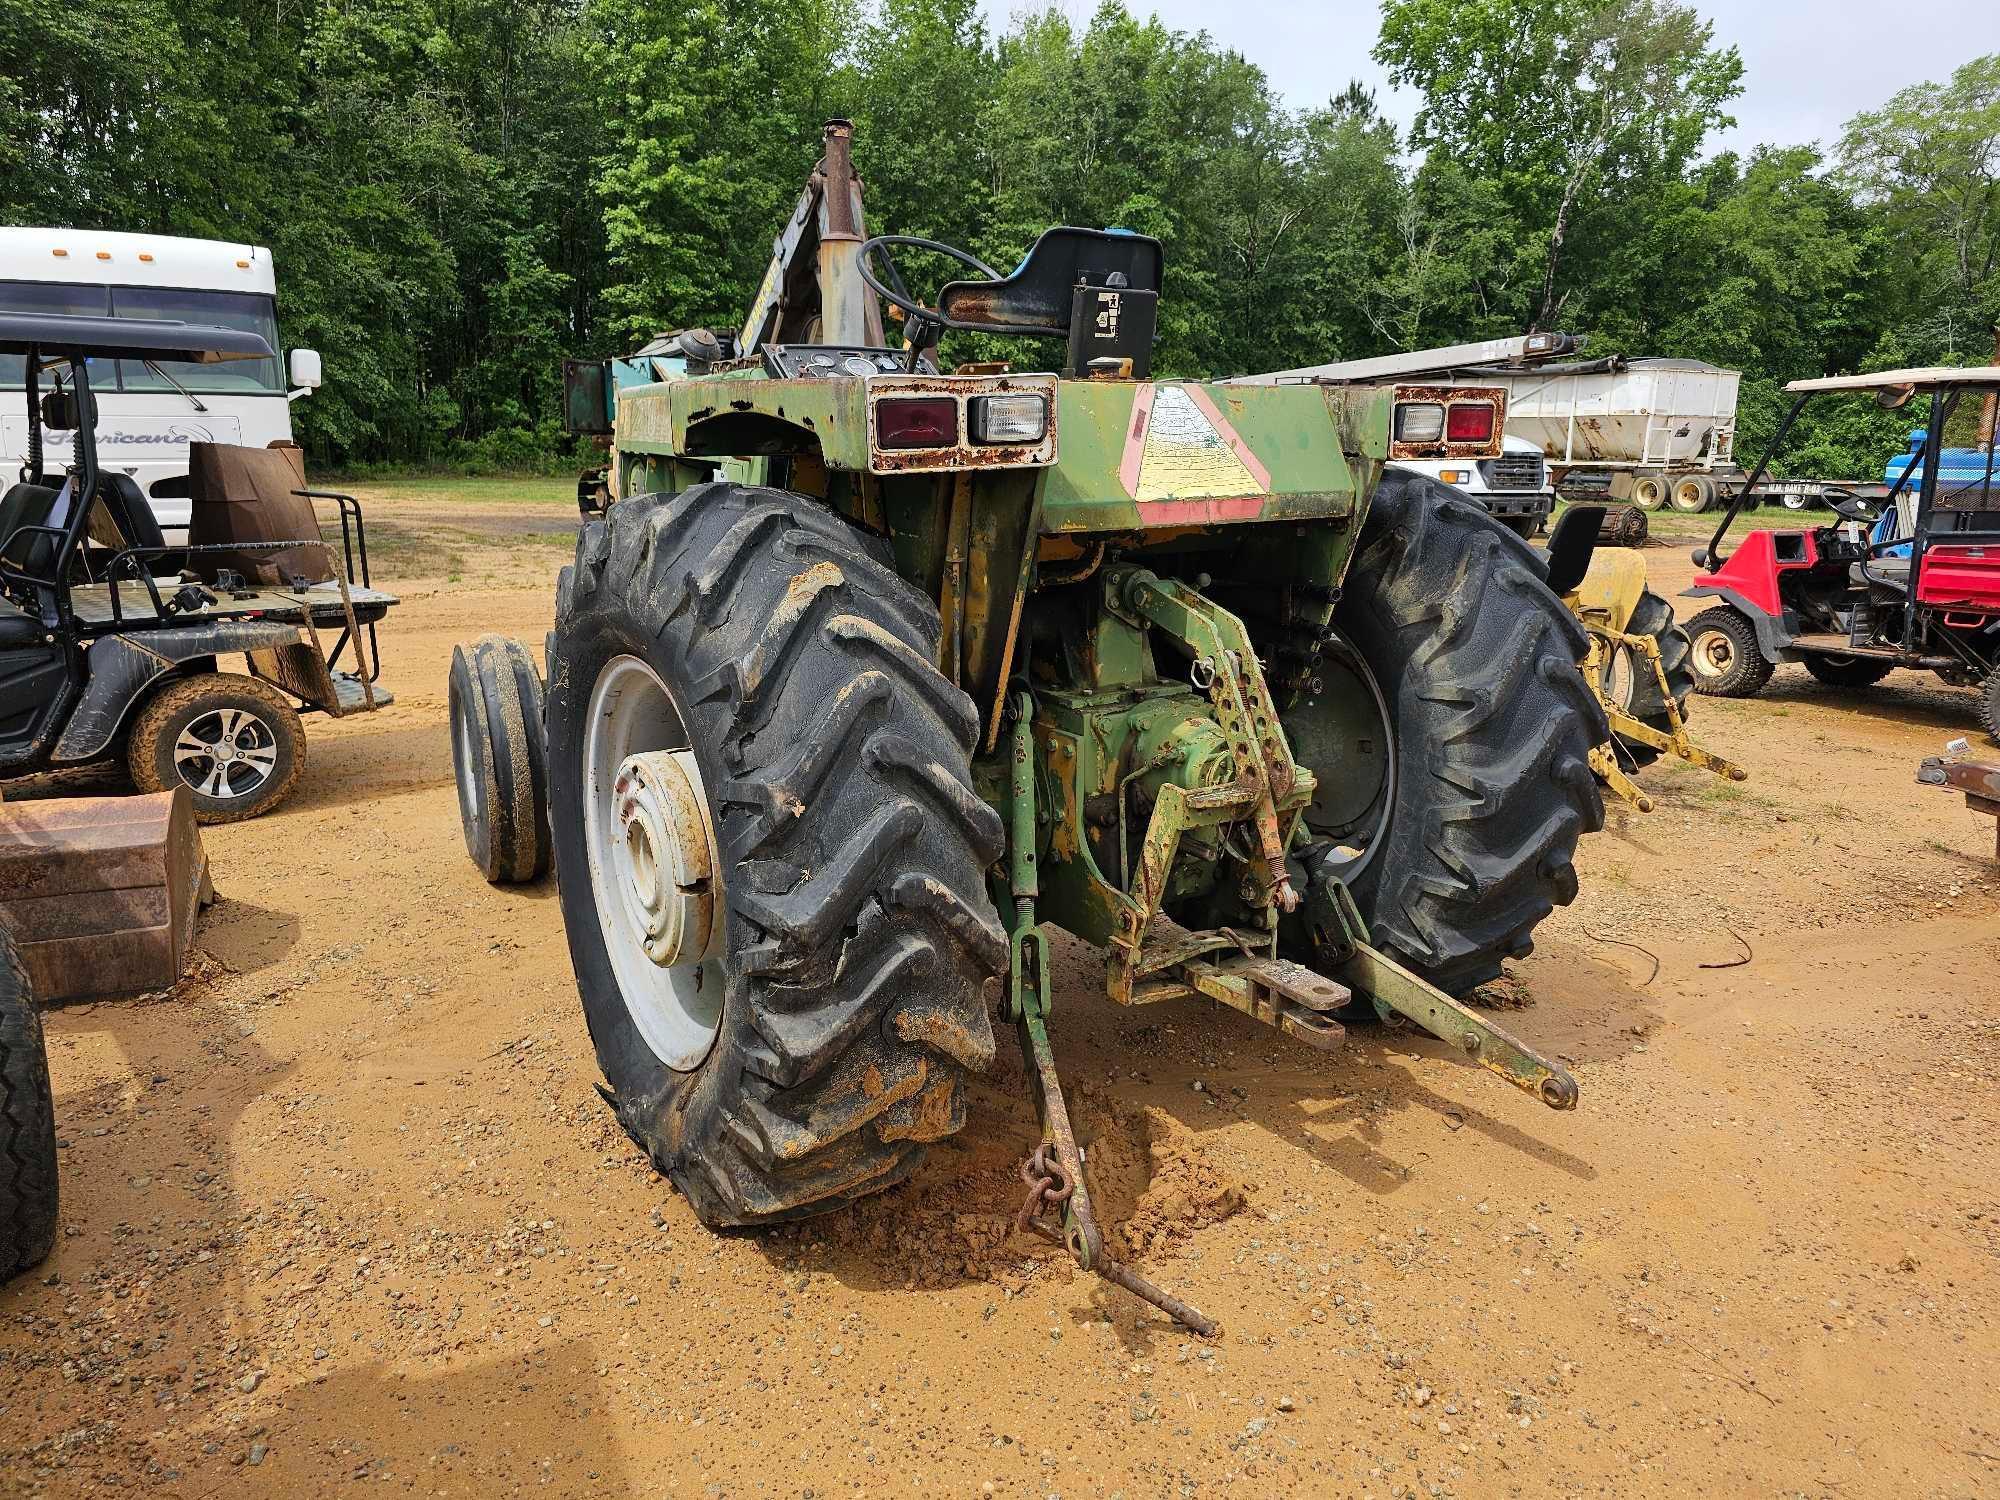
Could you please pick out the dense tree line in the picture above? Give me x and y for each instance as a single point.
(460, 192)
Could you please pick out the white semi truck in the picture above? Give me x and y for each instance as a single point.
(1515, 488)
(148, 413)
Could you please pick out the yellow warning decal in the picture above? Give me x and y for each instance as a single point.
(1180, 447)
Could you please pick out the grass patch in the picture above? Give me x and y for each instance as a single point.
(523, 489)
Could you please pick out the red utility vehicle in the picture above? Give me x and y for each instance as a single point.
(1912, 580)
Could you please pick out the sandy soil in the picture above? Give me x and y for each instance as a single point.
(345, 1207)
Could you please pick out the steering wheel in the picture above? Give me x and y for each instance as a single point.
(1852, 507)
(897, 292)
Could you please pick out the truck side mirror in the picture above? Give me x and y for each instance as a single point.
(305, 368)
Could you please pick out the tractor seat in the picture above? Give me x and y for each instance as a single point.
(1884, 572)
(1035, 297)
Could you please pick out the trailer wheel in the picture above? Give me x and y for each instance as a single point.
(770, 854)
(1649, 491)
(235, 741)
(1795, 500)
(28, 1184)
(1727, 659)
(1453, 683)
(498, 758)
(1692, 494)
(1847, 671)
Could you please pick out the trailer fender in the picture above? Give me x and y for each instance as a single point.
(121, 667)
(1772, 637)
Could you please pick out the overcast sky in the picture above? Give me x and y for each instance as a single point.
(1808, 65)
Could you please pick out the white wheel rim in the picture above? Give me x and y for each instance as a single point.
(226, 753)
(641, 783)
(1714, 653)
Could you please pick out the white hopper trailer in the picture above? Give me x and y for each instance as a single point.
(1652, 431)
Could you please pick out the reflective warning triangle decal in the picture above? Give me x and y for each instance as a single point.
(1180, 447)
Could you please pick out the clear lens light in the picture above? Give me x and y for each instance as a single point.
(1420, 422)
(1009, 419)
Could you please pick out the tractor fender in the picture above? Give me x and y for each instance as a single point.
(1772, 637)
(1611, 588)
(119, 668)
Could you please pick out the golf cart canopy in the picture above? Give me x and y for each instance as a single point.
(1930, 378)
(128, 338)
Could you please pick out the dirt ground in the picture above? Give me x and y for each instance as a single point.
(345, 1207)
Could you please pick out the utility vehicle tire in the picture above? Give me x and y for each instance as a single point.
(1489, 726)
(1649, 491)
(28, 1190)
(235, 741)
(1848, 671)
(771, 655)
(498, 758)
(1727, 660)
(1630, 683)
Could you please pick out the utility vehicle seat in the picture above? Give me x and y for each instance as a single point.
(18, 627)
(1884, 572)
(28, 505)
(129, 510)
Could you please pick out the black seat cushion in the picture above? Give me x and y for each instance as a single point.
(1035, 296)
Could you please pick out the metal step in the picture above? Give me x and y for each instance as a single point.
(352, 696)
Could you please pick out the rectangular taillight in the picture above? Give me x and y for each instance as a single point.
(1469, 422)
(916, 422)
(1021, 418)
(1419, 422)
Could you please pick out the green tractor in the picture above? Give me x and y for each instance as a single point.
(868, 671)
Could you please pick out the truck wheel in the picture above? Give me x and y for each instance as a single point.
(770, 856)
(1728, 662)
(1523, 527)
(28, 1187)
(1450, 731)
(498, 758)
(1649, 491)
(1848, 671)
(1628, 678)
(235, 741)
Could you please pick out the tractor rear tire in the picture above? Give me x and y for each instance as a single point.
(1654, 616)
(1848, 671)
(1728, 661)
(28, 1184)
(808, 1054)
(1491, 727)
(498, 758)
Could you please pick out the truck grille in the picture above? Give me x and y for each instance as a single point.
(1512, 471)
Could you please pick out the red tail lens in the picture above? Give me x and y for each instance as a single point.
(916, 422)
(1471, 422)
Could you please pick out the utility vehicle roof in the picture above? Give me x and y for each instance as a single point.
(128, 338)
(1928, 378)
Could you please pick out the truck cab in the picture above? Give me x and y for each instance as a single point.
(1513, 488)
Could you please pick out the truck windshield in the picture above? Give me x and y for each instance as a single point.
(243, 377)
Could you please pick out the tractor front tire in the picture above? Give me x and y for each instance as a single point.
(1728, 661)
(1848, 671)
(745, 655)
(1490, 727)
(28, 1186)
(1654, 616)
